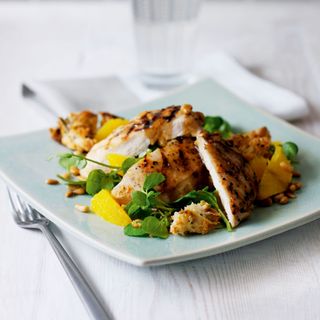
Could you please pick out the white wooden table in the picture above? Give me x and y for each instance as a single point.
(278, 278)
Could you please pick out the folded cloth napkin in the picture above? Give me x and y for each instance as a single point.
(252, 89)
(59, 97)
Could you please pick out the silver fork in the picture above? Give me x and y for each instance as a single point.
(27, 217)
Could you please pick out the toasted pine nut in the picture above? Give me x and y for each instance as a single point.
(75, 171)
(186, 108)
(82, 208)
(52, 181)
(136, 223)
(278, 197)
(291, 195)
(66, 175)
(284, 200)
(69, 194)
(292, 187)
(79, 191)
(298, 185)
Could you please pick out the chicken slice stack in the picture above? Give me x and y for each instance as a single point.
(148, 128)
(178, 161)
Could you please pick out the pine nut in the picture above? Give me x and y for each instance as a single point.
(291, 195)
(79, 191)
(278, 197)
(292, 187)
(52, 181)
(66, 175)
(69, 194)
(75, 171)
(284, 200)
(82, 208)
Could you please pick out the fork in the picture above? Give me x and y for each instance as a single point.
(27, 217)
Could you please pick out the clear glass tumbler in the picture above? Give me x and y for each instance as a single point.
(165, 40)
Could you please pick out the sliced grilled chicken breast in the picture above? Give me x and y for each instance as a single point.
(178, 161)
(231, 176)
(148, 128)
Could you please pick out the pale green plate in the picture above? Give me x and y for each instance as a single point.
(25, 167)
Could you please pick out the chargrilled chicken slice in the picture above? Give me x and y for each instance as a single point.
(148, 128)
(231, 175)
(253, 143)
(178, 161)
(76, 131)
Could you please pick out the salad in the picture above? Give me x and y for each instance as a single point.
(173, 170)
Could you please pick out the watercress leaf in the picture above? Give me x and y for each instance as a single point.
(217, 124)
(68, 160)
(81, 163)
(128, 163)
(98, 180)
(225, 130)
(139, 198)
(154, 227)
(197, 196)
(131, 231)
(212, 124)
(153, 180)
(95, 181)
(152, 197)
(290, 149)
(131, 208)
(225, 220)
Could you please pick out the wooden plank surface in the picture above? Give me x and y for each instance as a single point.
(278, 278)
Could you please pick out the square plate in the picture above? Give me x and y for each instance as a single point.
(25, 167)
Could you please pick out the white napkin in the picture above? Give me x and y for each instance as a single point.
(59, 97)
(252, 89)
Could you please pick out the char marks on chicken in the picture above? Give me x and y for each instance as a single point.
(178, 161)
(231, 175)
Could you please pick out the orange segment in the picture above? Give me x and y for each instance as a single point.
(108, 127)
(276, 176)
(109, 209)
(116, 160)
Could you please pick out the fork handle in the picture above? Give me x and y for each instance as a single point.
(86, 294)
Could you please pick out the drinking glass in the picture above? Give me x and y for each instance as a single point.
(165, 40)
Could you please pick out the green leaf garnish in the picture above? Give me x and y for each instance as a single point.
(98, 180)
(217, 124)
(129, 162)
(132, 231)
(155, 227)
(140, 199)
(290, 149)
(68, 160)
(146, 202)
(153, 180)
(150, 226)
